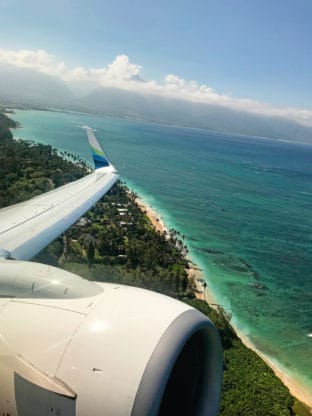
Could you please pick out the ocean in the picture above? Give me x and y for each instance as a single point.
(243, 203)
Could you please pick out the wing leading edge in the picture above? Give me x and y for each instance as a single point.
(27, 227)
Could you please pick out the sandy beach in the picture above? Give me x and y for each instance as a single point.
(193, 271)
(294, 387)
(152, 215)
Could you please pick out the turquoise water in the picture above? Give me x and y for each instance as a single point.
(244, 205)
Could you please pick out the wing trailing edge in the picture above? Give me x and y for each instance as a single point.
(26, 228)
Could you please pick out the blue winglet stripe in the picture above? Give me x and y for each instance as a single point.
(99, 161)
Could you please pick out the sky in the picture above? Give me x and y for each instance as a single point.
(240, 53)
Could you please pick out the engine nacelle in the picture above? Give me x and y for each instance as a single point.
(101, 349)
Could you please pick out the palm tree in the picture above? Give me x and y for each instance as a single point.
(133, 196)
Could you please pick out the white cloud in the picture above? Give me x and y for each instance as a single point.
(122, 73)
(121, 68)
(39, 60)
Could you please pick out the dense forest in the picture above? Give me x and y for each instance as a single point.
(6, 124)
(28, 169)
(115, 241)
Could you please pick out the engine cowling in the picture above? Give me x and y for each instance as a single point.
(103, 348)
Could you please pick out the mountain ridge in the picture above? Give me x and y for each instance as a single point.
(30, 87)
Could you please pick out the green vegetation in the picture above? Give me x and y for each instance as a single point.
(5, 125)
(115, 242)
(115, 236)
(28, 169)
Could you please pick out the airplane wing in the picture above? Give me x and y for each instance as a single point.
(72, 347)
(26, 228)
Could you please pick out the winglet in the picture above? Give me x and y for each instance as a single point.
(99, 157)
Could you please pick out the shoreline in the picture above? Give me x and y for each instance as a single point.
(294, 386)
(193, 271)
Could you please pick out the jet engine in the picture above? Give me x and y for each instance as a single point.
(69, 346)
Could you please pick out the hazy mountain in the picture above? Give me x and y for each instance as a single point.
(30, 87)
(167, 110)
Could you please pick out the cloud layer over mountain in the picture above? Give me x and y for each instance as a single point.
(123, 74)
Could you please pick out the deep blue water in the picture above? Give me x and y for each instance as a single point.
(243, 203)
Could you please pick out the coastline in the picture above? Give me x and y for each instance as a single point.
(294, 386)
(193, 271)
